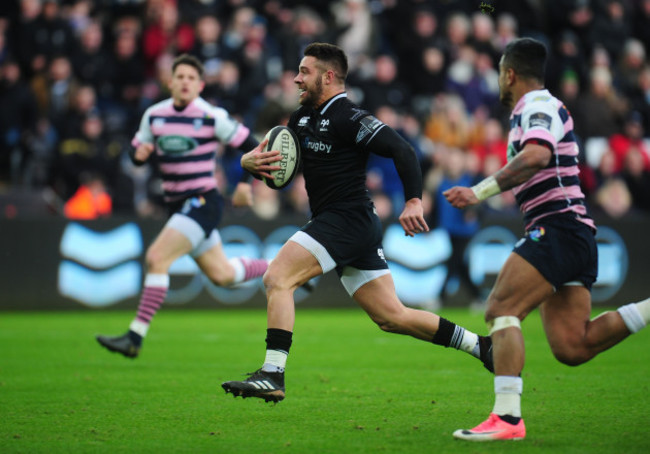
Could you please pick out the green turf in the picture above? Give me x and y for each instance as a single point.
(351, 389)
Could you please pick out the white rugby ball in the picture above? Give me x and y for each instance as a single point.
(285, 141)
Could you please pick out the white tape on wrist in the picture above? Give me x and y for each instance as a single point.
(486, 188)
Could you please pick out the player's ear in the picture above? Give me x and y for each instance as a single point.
(511, 75)
(329, 76)
(201, 86)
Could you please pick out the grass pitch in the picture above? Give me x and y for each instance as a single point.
(350, 389)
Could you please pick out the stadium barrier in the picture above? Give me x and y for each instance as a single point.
(57, 264)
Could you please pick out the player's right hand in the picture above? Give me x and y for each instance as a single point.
(143, 151)
(259, 161)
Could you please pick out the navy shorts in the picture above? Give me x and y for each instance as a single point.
(206, 209)
(351, 235)
(562, 249)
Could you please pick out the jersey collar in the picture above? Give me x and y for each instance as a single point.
(331, 101)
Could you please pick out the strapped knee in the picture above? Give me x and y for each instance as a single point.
(503, 322)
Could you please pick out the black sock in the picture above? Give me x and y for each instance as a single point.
(278, 339)
(449, 334)
(514, 420)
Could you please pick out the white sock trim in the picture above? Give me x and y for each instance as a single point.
(632, 317)
(240, 269)
(139, 327)
(156, 280)
(508, 391)
(644, 309)
(275, 361)
(469, 342)
(507, 384)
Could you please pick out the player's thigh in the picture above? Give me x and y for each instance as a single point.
(519, 288)
(378, 297)
(169, 245)
(214, 261)
(565, 316)
(293, 266)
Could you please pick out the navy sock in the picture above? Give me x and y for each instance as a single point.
(510, 419)
(135, 338)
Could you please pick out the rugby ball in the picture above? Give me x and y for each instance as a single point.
(285, 141)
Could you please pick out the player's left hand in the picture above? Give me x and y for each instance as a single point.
(259, 161)
(243, 195)
(460, 197)
(412, 218)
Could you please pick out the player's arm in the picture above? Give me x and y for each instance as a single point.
(387, 143)
(534, 157)
(142, 143)
(141, 153)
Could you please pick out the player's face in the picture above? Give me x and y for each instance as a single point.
(505, 93)
(310, 82)
(185, 85)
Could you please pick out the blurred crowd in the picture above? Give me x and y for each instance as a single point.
(77, 75)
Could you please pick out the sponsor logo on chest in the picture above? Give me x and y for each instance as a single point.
(317, 145)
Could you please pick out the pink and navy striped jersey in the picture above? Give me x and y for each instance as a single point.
(555, 189)
(186, 144)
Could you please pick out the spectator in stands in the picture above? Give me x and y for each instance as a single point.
(421, 46)
(640, 20)
(18, 117)
(208, 47)
(83, 103)
(23, 36)
(90, 201)
(569, 90)
(384, 87)
(506, 31)
(612, 196)
(630, 138)
(356, 30)
(448, 122)
(569, 57)
(54, 89)
(4, 48)
(236, 31)
(482, 36)
(602, 98)
(91, 61)
(461, 225)
(636, 175)
(629, 66)
(574, 15)
(611, 26)
(89, 152)
(127, 78)
(474, 78)
(457, 34)
(640, 100)
(305, 28)
(490, 142)
(165, 32)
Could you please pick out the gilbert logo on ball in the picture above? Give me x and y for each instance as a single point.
(284, 140)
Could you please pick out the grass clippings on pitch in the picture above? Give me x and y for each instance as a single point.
(350, 389)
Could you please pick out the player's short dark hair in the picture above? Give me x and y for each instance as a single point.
(527, 57)
(331, 55)
(191, 60)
